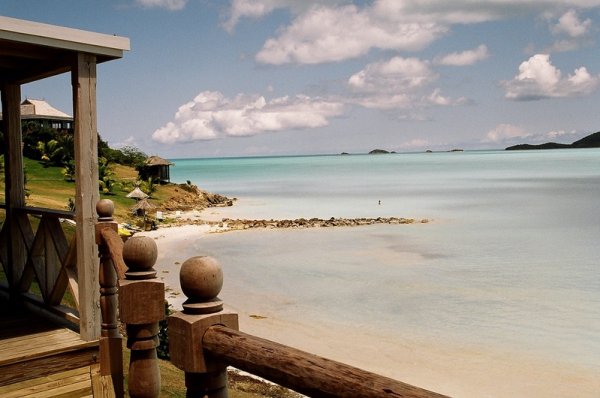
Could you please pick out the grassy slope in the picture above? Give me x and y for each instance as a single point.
(48, 189)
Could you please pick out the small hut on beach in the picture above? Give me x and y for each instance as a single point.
(156, 168)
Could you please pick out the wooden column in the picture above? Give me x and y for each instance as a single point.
(201, 281)
(111, 341)
(141, 307)
(14, 179)
(86, 192)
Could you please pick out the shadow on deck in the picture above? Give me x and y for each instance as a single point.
(39, 358)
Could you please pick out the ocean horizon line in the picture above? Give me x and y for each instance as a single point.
(338, 154)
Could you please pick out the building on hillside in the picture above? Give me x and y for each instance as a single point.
(156, 168)
(41, 112)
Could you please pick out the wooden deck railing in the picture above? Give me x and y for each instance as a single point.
(44, 255)
(204, 338)
(126, 268)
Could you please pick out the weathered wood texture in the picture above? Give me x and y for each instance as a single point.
(141, 307)
(303, 372)
(14, 261)
(71, 383)
(31, 347)
(86, 192)
(49, 257)
(111, 341)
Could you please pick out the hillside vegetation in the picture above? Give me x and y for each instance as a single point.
(590, 141)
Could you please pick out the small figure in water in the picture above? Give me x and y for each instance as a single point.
(380, 202)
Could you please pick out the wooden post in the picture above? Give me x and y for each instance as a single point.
(14, 181)
(141, 307)
(86, 192)
(201, 281)
(111, 349)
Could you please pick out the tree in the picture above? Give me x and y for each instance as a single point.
(68, 171)
(49, 152)
(106, 177)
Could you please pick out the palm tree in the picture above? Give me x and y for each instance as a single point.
(106, 176)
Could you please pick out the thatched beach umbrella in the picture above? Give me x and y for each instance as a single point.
(137, 194)
(143, 205)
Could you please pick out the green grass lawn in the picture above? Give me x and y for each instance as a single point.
(47, 188)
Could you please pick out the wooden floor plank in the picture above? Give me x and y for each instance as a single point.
(52, 378)
(39, 358)
(67, 391)
(19, 354)
(44, 384)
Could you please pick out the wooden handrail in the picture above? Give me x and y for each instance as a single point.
(204, 338)
(40, 211)
(306, 373)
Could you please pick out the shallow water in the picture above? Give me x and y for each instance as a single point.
(510, 261)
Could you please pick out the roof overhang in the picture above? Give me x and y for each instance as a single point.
(31, 51)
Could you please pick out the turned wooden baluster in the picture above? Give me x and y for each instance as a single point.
(201, 281)
(111, 348)
(141, 307)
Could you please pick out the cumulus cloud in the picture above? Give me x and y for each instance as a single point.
(173, 5)
(394, 75)
(539, 79)
(330, 31)
(211, 115)
(325, 34)
(505, 132)
(570, 24)
(255, 9)
(397, 83)
(464, 58)
(572, 32)
(511, 134)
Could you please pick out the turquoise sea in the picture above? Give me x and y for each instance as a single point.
(510, 259)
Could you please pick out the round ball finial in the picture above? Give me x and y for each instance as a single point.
(201, 281)
(139, 253)
(105, 208)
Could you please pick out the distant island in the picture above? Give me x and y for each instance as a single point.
(380, 152)
(591, 141)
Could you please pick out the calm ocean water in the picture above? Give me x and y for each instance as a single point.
(510, 259)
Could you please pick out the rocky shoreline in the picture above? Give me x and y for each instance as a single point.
(227, 224)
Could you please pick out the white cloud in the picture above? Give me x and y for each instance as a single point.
(415, 143)
(468, 57)
(129, 141)
(173, 5)
(397, 83)
(573, 30)
(505, 132)
(325, 34)
(509, 134)
(570, 24)
(539, 79)
(325, 31)
(211, 115)
(395, 75)
(256, 9)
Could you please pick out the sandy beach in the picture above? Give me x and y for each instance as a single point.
(461, 371)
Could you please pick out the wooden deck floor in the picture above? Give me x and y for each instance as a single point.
(40, 359)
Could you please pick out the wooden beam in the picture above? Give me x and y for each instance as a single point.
(86, 192)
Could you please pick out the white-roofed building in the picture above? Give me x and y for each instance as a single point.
(44, 114)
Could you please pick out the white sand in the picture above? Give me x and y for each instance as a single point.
(436, 365)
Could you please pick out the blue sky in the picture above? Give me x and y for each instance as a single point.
(277, 77)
